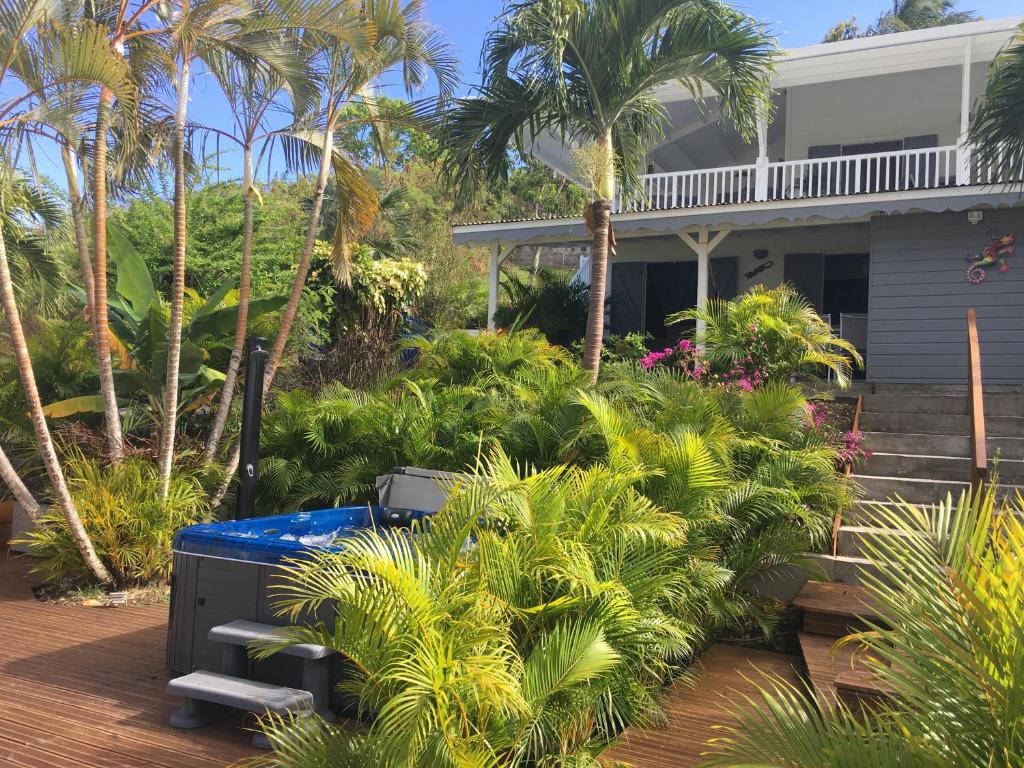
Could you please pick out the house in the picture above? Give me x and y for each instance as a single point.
(859, 190)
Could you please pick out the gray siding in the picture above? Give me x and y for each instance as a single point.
(917, 326)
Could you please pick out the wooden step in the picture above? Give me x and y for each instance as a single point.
(834, 609)
(839, 674)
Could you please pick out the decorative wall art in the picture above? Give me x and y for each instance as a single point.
(995, 253)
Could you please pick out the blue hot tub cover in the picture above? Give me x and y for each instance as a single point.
(273, 539)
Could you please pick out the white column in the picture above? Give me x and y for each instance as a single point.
(703, 269)
(761, 174)
(963, 175)
(492, 284)
(703, 246)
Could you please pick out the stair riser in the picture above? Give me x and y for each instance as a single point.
(937, 424)
(935, 468)
(951, 405)
(845, 571)
(855, 543)
(941, 445)
(921, 492)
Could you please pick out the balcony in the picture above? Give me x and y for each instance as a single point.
(828, 177)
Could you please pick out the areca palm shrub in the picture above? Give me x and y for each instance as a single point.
(533, 645)
(772, 334)
(586, 72)
(950, 649)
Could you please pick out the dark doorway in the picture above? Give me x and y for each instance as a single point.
(626, 300)
(671, 287)
(845, 288)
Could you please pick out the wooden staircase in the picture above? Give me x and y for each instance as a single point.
(837, 673)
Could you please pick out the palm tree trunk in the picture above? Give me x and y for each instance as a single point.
(170, 405)
(111, 415)
(21, 492)
(50, 460)
(602, 214)
(598, 273)
(299, 283)
(81, 238)
(228, 390)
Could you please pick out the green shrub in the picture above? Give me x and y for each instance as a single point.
(549, 301)
(544, 638)
(129, 524)
(949, 648)
(773, 331)
(755, 481)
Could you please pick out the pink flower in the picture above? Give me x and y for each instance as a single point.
(685, 345)
(745, 385)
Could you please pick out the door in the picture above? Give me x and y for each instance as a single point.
(626, 300)
(806, 273)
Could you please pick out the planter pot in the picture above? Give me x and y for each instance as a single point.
(21, 524)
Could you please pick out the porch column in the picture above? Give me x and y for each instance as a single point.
(492, 281)
(963, 173)
(761, 173)
(703, 245)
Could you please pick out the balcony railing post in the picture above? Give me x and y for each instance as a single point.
(761, 180)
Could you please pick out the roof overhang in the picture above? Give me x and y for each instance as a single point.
(572, 230)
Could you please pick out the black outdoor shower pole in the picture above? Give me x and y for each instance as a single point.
(249, 442)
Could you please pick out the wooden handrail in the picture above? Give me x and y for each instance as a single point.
(975, 403)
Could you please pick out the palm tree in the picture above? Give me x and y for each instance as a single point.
(950, 651)
(997, 128)
(34, 50)
(587, 72)
(17, 487)
(397, 37)
(372, 37)
(252, 92)
(919, 14)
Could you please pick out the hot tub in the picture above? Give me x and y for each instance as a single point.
(224, 571)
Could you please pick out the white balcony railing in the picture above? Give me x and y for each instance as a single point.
(905, 170)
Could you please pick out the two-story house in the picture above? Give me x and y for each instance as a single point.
(860, 191)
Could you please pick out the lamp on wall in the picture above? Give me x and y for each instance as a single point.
(761, 254)
(975, 217)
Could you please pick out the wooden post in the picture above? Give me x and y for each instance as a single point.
(976, 403)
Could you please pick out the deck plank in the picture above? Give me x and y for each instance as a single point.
(696, 706)
(86, 687)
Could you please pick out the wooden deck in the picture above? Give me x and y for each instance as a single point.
(695, 707)
(85, 687)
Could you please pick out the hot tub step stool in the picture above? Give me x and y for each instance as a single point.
(207, 694)
(237, 636)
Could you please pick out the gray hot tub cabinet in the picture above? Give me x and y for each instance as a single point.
(210, 591)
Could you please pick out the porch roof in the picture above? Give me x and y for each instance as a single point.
(740, 216)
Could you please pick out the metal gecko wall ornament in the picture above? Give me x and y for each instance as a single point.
(996, 252)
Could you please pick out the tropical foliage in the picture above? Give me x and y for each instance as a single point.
(748, 471)
(774, 332)
(949, 648)
(549, 301)
(903, 16)
(996, 127)
(587, 72)
(123, 512)
(539, 641)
